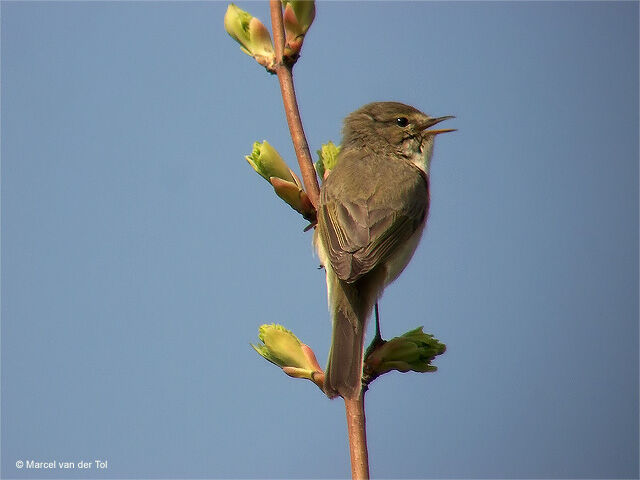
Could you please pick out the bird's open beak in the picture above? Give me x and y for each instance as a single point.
(434, 121)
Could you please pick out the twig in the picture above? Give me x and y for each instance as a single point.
(354, 407)
(356, 423)
(285, 77)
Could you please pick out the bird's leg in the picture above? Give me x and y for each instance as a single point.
(367, 375)
(377, 337)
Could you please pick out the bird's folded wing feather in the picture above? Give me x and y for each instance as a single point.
(360, 233)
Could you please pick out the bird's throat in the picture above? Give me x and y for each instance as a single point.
(418, 151)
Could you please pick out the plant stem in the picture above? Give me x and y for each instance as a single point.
(285, 77)
(354, 407)
(356, 424)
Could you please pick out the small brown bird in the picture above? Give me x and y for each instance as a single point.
(373, 209)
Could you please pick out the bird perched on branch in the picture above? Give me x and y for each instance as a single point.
(372, 211)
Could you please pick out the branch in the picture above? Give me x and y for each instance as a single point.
(285, 77)
(356, 424)
(354, 408)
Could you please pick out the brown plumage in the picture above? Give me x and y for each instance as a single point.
(373, 208)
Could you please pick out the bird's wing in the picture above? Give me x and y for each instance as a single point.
(362, 230)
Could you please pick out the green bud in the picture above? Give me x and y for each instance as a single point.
(282, 348)
(268, 163)
(295, 197)
(327, 157)
(298, 17)
(251, 34)
(303, 11)
(412, 351)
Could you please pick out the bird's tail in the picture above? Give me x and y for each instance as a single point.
(350, 305)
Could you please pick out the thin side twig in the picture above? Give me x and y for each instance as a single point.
(285, 77)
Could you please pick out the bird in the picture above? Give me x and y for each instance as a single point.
(371, 213)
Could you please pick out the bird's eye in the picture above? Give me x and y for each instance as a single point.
(402, 121)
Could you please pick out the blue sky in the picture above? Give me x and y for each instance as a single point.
(140, 252)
